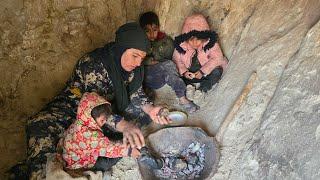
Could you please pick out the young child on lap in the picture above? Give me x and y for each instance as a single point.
(84, 144)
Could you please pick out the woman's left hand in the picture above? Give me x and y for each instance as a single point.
(155, 115)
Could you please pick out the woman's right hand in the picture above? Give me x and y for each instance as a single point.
(135, 153)
(131, 134)
(155, 114)
(189, 75)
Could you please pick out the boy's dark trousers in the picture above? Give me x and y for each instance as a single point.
(165, 72)
(207, 82)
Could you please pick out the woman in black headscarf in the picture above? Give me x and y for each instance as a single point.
(112, 71)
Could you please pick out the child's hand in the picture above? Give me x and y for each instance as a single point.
(198, 75)
(189, 75)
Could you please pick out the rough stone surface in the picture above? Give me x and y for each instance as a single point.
(41, 40)
(274, 134)
(284, 144)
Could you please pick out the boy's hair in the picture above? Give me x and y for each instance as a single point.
(101, 109)
(148, 18)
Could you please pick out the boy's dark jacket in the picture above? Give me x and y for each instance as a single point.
(161, 49)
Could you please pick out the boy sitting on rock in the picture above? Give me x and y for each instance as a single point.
(160, 69)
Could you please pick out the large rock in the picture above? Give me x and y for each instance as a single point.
(271, 126)
(286, 143)
(41, 41)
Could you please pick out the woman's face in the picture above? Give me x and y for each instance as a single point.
(101, 120)
(195, 43)
(152, 31)
(132, 58)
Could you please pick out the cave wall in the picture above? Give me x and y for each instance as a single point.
(265, 110)
(41, 41)
(272, 44)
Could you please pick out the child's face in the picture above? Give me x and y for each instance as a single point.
(152, 31)
(195, 43)
(101, 120)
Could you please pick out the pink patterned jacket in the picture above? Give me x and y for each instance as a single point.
(209, 60)
(84, 140)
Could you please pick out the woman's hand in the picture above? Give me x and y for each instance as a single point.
(135, 153)
(131, 134)
(155, 114)
(189, 75)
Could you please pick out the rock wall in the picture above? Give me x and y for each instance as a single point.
(265, 110)
(41, 41)
(270, 132)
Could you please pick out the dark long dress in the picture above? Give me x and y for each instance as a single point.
(46, 127)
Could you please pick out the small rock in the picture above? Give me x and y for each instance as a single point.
(190, 92)
(190, 167)
(196, 147)
(180, 164)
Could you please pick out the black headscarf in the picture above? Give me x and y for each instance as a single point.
(131, 35)
(128, 36)
(118, 52)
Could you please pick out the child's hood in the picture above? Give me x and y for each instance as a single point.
(195, 22)
(87, 103)
(195, 25)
